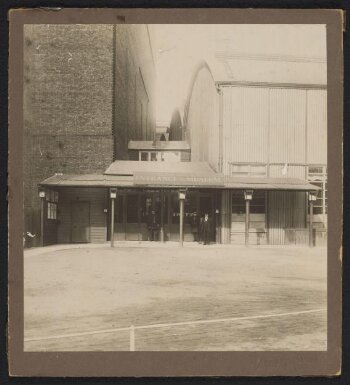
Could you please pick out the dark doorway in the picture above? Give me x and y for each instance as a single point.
(206, 206)
(80, 214)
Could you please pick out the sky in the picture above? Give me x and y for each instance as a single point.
(178, 48)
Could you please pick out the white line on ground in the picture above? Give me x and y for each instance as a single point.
(162, 325)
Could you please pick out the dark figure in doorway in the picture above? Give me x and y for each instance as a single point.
(200, 229)
(206, 229)
(152, 226)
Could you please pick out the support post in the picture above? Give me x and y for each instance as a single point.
(248, 196)
(42, 218)
(311, 241)
(312, 198)
(112, 222)
(182, 195)
(162, 215)
(113, 195)
(247, 208)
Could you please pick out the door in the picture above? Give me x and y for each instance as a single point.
(80, 215)
(132, 217)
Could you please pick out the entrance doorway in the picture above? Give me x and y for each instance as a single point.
(142, 215)
(80, 216)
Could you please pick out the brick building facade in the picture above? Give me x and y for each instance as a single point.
(88, 90)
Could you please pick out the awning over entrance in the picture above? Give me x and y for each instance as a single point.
(173, 175)
(130, 167)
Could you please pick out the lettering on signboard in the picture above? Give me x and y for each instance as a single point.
(177, 180)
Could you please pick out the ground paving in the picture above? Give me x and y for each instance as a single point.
(70, 290)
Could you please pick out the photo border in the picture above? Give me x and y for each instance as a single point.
(160, 364)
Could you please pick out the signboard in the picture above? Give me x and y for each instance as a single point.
(178, 180)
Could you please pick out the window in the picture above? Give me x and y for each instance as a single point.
(143, 156)
(52, 198)
(253, 170)
(317, 175)
(153, 156)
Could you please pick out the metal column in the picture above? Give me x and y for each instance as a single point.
(42, 216)
(112, 222)
(181, 222)
(247, 207)
(311, 242)
(162, 215)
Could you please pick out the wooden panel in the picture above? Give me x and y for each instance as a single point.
(255, 238)
(98, 218)
(80, 222)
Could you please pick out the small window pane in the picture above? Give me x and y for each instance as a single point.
(144, 156)
(54, 211)
(315, 170)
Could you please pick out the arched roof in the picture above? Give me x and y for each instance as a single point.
(202, 65)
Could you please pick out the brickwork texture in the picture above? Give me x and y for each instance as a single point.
(88, 90)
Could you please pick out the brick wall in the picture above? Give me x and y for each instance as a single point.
(86, 90)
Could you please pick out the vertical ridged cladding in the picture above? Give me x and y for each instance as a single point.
(245, 124)
(286, 210)
(287, 125)
(317, 126)
(274, 124)
(280, 125)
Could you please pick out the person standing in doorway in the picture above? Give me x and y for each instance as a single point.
(206, 229)
(200, 229)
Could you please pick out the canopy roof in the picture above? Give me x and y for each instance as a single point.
(129, 167)
(133, 174)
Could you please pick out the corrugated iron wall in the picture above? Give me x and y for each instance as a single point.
(286, 210)
(287, 125)
(284, 128)
(317, 126)
(245, 121)
(275, 125)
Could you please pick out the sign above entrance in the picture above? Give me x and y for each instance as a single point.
(178, 180)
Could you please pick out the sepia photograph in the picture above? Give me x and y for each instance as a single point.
(175, 187)
(175, 199)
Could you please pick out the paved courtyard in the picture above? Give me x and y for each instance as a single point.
(264, 298)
